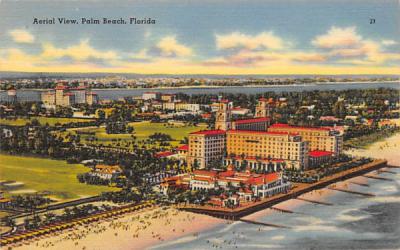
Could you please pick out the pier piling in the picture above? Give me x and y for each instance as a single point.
(351, 192)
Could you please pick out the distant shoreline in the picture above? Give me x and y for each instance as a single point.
(215, 87)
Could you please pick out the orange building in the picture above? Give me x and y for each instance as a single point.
(319, 138)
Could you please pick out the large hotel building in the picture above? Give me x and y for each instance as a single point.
(267, 149)
(259, 145)
(66, 96)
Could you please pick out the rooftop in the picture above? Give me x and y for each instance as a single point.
(259, 132)
(254, 120)
(209, 132)
(184, 147)
(283, 125)
(319, 153)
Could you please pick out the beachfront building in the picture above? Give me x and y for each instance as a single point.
(266, 148)
(205, 147)
(243, 186)
(319, 138)
(318, 157)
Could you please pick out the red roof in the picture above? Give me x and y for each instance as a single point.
(260, 132)
(209, 132)
(265, 178)
(319, 153)
(255, 120)
(205, 172)
(184, 147)
(61, 87)
(227, 173)
(224, 100)
(261, 159)
(163, 154)
(283, 125)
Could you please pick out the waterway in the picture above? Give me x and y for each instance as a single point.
(114, 94)
(352, 222)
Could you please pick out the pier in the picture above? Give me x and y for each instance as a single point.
(386, 171)
(359, 183)
(351, 191)
(315, 201)
(282, 210)
(378, 178)
(263, 223)
(298, 190)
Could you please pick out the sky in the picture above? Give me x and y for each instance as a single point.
(203, 37)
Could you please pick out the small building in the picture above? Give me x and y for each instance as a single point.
(106, 172)
(318, 157)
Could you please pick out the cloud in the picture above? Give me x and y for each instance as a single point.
(21, 36)
(80, 52)
(389, 42)
(264, 40)
(338, 38)
(169, 46)
(345, 45)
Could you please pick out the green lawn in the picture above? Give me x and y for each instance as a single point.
(144, 129)
(42, 120)
(54, 176)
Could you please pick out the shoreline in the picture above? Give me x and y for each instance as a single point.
(227, 87)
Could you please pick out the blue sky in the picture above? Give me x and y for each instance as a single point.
(189, 37)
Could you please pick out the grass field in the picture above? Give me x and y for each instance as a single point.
(42, 120)
(54, 176)
(144, 129)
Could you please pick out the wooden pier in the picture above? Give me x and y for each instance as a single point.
(263, 223)
(378, 178)
(351, 191)
(315, 201)
(282, 210)
(359, 183)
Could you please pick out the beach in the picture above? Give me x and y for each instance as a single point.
(138, 230)
(388, 149)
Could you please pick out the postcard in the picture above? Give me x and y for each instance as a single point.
(167, 124)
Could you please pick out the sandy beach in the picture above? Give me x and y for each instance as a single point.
(389, 149)
(134, 231)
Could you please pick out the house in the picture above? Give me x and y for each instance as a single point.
(106, 172)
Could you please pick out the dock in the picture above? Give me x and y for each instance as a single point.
(386, 171)
(378, 178)
(351, 191)
(263, 223)
(359, 183)
(315, 201)
(282, 210)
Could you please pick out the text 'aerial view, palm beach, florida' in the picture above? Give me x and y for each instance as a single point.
(228, 124)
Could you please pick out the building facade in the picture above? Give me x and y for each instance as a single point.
(206, 147)
(319, 138)
(269, 145)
